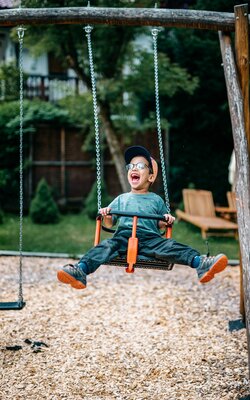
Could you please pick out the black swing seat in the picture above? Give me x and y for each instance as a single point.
(143, 262)
(12, 305)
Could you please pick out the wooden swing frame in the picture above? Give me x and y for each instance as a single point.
(236, 70)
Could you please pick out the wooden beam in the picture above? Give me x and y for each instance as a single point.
(242, 59)
(236, 107)
(242, 63)
(119, 16)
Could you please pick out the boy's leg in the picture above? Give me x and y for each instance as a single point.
(106, 251)
(75, 275)
(167, 249)
(178, 253)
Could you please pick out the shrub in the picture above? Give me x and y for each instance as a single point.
(9, 76)
(91, 201)
(43, 209)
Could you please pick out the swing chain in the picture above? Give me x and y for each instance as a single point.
(20, 32)
(88, 30)
(155, 32)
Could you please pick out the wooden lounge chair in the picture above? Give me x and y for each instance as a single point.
(229, 212)
(231, 198)
(200, 211)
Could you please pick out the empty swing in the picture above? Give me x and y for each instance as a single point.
(19, 304)
(132, 259)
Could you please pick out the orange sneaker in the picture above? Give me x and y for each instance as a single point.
(209, 266)
(72, 275)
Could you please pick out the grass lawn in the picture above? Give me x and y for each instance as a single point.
(74, 234)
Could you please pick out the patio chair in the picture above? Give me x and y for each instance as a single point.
(200, 211)
(229, 212)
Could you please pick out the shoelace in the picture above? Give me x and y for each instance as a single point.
(207, 261)
(78, 270)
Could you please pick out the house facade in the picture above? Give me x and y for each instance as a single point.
(47, 78)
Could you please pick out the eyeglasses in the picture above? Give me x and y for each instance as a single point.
(139, 165)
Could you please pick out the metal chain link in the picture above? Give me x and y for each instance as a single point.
(155, 32)
(20, 32)
(88, 30)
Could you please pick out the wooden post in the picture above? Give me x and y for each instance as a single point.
(236, 107)
(42, 89)
(242, 62)
(62, 134)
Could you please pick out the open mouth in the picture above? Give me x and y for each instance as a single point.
(135, 177)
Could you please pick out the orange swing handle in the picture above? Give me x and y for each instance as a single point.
(132, 248)
(168, 233)
(98, 230)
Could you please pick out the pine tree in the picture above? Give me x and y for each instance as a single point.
(43, 209)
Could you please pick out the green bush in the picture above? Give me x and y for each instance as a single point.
(9, 76)
(43, 209)
(91, 201)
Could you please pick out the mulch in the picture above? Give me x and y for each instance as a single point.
(152, 335)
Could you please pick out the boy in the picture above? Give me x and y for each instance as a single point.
(142, 172)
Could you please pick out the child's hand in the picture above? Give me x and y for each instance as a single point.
(105, 211)
(106, 217)
(169, 221)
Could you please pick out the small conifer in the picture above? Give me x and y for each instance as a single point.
(43, 208)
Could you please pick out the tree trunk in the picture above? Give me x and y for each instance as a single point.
(112, 141)
(114, 146)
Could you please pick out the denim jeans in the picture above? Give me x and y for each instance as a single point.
(152, 246)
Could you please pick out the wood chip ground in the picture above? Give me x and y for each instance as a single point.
(152, 335)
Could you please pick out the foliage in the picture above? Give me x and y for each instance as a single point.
(91, 201)
(80, 109)
(192, 86)
(200, 129)
(9, 156)
(221, 5)
(35, 112)
(38, 111)
(123, 69)
(43, 209)
(9, 77)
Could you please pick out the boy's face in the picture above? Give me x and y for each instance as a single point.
(140, 179)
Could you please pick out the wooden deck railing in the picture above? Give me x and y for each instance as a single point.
(51, 87)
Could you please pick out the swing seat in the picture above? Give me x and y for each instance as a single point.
(142, 262)
(133, 259)
(12, 305)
